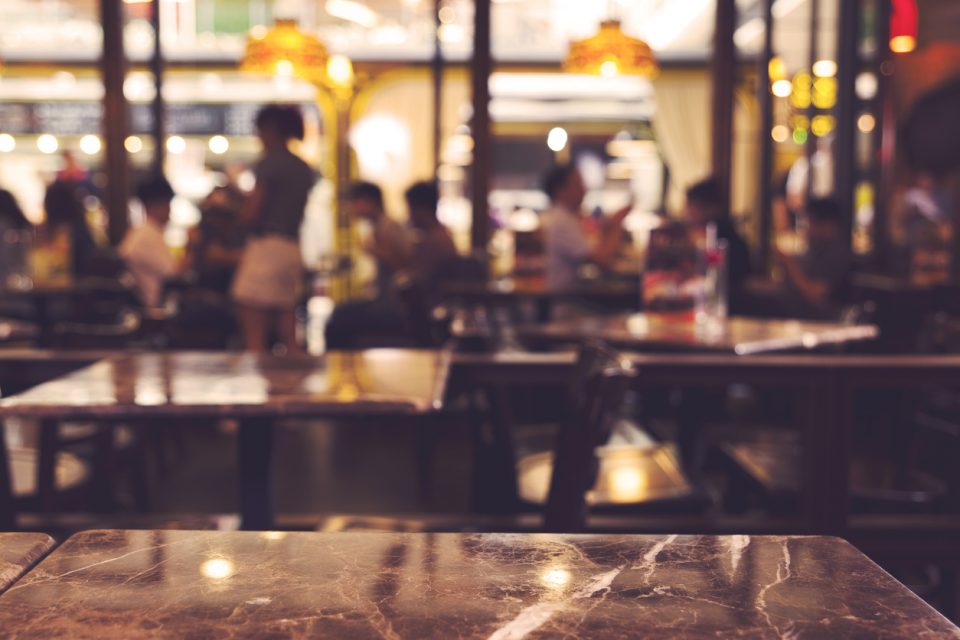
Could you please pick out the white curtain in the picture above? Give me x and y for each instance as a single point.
(681, 124)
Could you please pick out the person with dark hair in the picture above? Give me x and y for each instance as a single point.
(706, 204)
(143, 249)
(816, 280)
(567, 246)
(376, 320)
(268, 279)
(434, 251)
(65, 226)
(389, 242)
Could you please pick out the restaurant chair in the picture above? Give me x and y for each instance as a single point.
(69, 474)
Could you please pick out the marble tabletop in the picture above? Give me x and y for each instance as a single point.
(157, 385)
(500, 586)
(19, 552)
(739, 335)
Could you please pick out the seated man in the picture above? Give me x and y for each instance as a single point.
(566, 244)
(434, 253)
(706, 205)
(376, 321)
(816, 280)
(143, 249)
(389, 244)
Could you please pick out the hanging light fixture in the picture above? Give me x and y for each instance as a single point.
(611, 52)
(285, 50)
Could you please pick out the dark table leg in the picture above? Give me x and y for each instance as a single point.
(44, 321)
(255, 449)
(7, 516)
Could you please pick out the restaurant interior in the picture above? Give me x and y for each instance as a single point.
(480, 318)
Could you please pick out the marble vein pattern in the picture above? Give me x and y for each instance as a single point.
(19, 552)
(235, 384)
(133, 584)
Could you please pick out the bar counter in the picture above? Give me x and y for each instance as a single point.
(373, 585)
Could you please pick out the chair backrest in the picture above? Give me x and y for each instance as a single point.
(601, 378)
(426, 330)
(107, 335)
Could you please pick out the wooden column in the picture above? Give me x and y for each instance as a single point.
(158, 109)
(115, 117)
(480, 126)
(722, 76)
(765, 101)
(845, 175)
(437, 72)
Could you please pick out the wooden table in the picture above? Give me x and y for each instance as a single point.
(18, 553)
(827, 384)
(133, 584)
(742, 336)
(154, 389)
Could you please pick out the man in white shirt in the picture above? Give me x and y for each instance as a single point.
(567, 245)
(143, 249)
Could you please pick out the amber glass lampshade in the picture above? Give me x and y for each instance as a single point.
(611, 52)
(287, 51)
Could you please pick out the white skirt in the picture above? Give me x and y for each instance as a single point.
(270, 273)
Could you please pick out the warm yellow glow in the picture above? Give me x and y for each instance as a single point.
(866, 122)
(557, 139)
(822, 125)
(802, 87)
(903, 44)
(285, 50)
(555, 577)
(782, 88)
(780, 133)
(48, 143)
(217, 568)
(283, 68)
(611, 52)
(627, 484)
(133, 144)
(609, 69)
(777, 68)
(176, 145)
(90, 144)
(824, 68)
(825, 93)
(7, 143)
(340, 71)
(218, 145)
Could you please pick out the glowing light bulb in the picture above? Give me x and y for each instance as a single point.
(176, 145)
(48, 143)
(90, 144)
(557, 139)
(133, 144)
(218, 145)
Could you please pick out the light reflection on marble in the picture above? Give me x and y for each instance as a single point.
(738, 335)
(19, 552)
(378, 380)
(220, 584)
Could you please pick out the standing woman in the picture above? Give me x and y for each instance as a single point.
(269, 276)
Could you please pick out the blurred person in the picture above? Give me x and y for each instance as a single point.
(215, 244)
(389, 244)
(434, 253)
(564, 236)
(816, 281)
(376, 321)
(65, 228)
(707, 205)
(11, 215)
(143, 249)
(268, 278)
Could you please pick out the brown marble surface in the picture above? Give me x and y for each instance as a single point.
(739, 335)
(501, 586)
(19, 552)
(240, 384)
